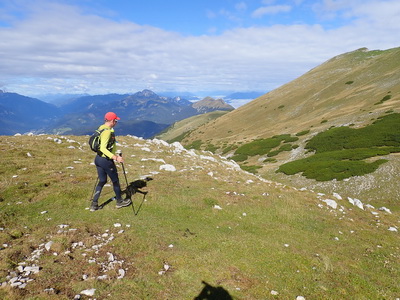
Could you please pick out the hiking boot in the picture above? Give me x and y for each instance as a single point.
(123, 203)
(94, 207)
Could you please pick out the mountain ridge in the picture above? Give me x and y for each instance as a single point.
(81, 115)
(209, 104)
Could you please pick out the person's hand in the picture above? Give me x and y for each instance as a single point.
(119, 159)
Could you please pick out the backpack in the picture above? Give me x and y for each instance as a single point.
(94, 140)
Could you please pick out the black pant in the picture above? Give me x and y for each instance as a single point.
(106, 167)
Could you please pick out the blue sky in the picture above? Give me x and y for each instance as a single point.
(123, 46)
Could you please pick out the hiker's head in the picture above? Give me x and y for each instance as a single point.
(111, 119)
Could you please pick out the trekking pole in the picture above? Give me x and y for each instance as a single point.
(136, 212)
(119, 152)
(94, 188)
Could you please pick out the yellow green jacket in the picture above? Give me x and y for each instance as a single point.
(107, 141)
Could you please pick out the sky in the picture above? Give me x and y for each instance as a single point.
(197, 46)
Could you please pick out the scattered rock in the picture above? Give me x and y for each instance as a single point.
(167, 167)
(331, 203)
(89, 292)
(356, 202)
(337, 196)
(121, 273)
(274, 293)
(110, 256)
(385, 209)
(48, 245)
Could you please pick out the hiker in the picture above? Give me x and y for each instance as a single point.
(105, 164)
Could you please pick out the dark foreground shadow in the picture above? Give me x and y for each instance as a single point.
(137, 211)
(101, 206)
(133, 188)
(210, 292)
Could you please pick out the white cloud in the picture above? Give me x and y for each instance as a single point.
(62, 48)
(241, 6)
(271, 10)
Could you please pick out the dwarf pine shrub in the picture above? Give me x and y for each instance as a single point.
(195, 145)
(251, 169)
(304, 132)
(264, 146)
(386, 98)
(340, 152)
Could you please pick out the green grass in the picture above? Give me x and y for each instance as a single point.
(266, 237)
(341, 152)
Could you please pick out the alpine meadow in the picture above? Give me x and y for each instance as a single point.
(294, 195)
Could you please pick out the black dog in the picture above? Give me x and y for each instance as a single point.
(135, 186)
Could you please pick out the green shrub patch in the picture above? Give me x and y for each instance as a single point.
(386, 98)
(304, 132)
(339, 153)
(239, 157)
(383, 132)
(264, 146)
(195, 145)
(251, 169)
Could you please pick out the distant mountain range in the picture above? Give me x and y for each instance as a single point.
(142, 114)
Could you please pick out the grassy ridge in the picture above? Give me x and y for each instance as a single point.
(266, 237)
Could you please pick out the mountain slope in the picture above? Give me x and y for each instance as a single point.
(21, 114)
(178, 130)
(205, 228)
(341, 91)
(352, 89)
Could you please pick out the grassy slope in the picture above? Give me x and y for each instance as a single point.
(180, 128)
(343, 91)
(323, 93)
(266, 237)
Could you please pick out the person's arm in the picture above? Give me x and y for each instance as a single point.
(104, 138)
